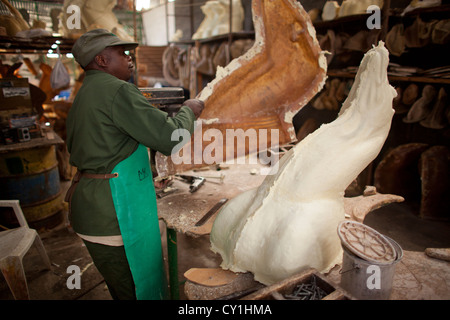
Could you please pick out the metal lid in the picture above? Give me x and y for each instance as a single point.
(366, 242)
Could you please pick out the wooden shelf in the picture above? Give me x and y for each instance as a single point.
(442, 9)
(49, 138)
(338, 22)
(340, 74)
(221, 37)
(420, 79)
(393, 13)
(34, 45)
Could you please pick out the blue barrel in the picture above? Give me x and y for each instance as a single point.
(31, 189)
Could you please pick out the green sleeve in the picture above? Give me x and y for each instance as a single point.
(147, 124)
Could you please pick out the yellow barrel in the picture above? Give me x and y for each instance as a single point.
(32, 177)
(28, 161)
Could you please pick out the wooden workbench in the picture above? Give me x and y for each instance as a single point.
(181, 210)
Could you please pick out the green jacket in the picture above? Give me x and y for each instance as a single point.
(109, 118)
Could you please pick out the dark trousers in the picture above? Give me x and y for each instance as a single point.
(112, 263)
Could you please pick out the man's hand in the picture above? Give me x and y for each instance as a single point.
(195, 105)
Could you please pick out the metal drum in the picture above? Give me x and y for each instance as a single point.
(32, 177)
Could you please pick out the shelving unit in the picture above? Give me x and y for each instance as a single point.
(189, 45)
(419, 60)
(351, 24)
(394, 16)
(34, 45)
(418, 79)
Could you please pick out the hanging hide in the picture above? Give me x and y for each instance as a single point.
(398, 174)
(288, 223)
(437, 118)
(204, 64)
(434, 166)
(170, 70)
(422, 107)
(395, 40)
(268, 85)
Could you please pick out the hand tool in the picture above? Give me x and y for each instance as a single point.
(220, 178)
(195, 181)
(167, 99)
(163, 96)
(165, 192)
(211, 212)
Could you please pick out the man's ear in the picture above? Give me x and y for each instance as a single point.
(101, 60)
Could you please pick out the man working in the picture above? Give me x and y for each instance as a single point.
(112, 198)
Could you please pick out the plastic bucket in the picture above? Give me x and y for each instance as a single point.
(367, 280)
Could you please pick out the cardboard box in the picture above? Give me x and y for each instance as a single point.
(284, 290)
(15, 94)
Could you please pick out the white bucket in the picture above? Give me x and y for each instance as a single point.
(367, 280)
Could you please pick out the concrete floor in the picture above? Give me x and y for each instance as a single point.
(417, 276)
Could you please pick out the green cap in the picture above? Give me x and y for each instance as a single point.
(93, 42)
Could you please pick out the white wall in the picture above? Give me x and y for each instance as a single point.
(155, 26)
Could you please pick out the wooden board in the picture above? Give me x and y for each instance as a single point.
(50, 138)
(210, 277)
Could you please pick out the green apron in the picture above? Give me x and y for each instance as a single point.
(134, 200)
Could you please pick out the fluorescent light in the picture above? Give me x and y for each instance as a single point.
(52, 55)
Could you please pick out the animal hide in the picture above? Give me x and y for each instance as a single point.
(434, 166)
(267, 86)
(289, 222)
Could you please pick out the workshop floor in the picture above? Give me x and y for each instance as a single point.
(417, 276)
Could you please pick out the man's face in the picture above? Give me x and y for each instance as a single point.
(117, 62)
